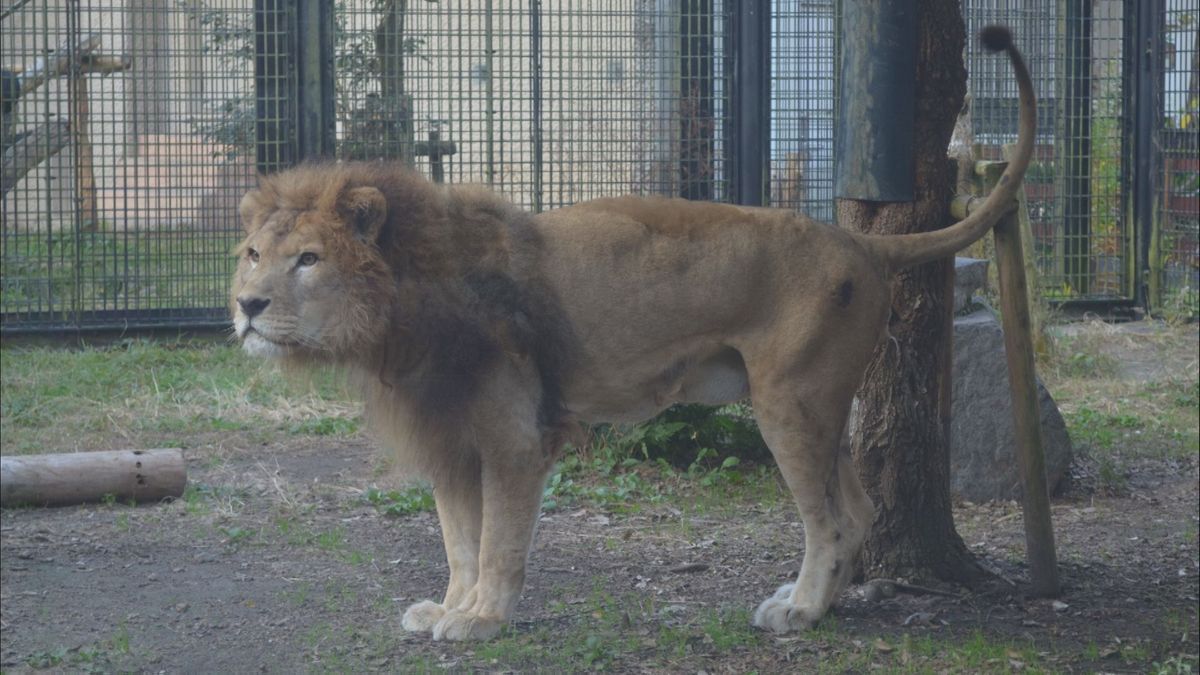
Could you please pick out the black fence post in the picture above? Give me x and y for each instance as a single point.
(1075, 127)
(535, 70)
(315, 93)
(273, 87)
(696, 107)
(1142, 118)
(748, 71)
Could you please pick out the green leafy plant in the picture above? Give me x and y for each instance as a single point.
(403, 502)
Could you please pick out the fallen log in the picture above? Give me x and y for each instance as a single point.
(75, 478)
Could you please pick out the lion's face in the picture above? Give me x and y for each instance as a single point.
(310, 282)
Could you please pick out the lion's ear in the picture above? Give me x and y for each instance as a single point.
(251, 205)
(366, 209)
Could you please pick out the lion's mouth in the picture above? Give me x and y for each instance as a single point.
(258, 343)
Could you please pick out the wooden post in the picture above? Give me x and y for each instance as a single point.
(62, 479)
(1018, 348)
(1032, 275)
(85, 173)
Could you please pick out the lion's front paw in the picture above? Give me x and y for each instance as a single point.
(422, 616)
(459, 625)
(779, 615)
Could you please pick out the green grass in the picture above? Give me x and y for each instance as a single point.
(415, 499)
(98, 657)
(63, 271)
(1117, 423)
(146, 393)
(1117, 418)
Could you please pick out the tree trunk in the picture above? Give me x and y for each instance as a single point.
(899, 443)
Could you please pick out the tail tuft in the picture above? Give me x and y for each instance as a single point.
(996, 37)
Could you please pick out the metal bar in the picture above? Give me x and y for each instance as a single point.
(875, 121)
(79, 138)
(490, 92)
(1145, 56)
(696, 89)
(1075, 143)
(535, 71)
(750, 96)
(314, 78)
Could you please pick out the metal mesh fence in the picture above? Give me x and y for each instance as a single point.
(1074, 186)
(548, 102)
(1174, 266)
(802, 106)
(132, 127)
(124, 157)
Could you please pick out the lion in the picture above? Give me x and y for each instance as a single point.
(482, 337)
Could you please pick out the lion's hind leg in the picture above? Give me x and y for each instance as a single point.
(803, 434)
(458, 499)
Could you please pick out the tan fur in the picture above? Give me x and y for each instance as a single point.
(480, 336)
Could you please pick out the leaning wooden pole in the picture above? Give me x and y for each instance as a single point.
(75, 478)
(1019, 349)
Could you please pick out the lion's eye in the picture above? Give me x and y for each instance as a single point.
(252, 255)
(308, 259)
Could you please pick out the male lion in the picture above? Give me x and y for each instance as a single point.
(481, 335)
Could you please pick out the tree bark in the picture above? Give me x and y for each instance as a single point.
(899, 443)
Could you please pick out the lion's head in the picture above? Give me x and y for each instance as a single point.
(311, 281)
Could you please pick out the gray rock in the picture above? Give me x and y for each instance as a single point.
(983, 462)
(970, 275)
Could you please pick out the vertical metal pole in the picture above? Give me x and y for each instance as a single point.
(535, 65)
(314, 78)
(750, 100)
(1142, 119)
(696, 90)
(490, 93)
(74, 33)
(1075, 124)
(272, 87)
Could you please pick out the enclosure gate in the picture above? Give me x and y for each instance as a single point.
(131, 128)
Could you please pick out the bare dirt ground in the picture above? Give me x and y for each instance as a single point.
(274, 562)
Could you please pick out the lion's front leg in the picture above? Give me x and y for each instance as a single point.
(512, 495)
(458, 500)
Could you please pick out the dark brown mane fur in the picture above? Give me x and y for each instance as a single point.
(463, 262)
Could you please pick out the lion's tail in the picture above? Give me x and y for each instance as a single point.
(906, 250)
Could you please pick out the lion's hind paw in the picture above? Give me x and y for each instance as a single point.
(422, 616)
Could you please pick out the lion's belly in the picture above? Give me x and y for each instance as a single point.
(628, 392)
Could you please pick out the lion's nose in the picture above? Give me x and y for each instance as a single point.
(253, 306)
